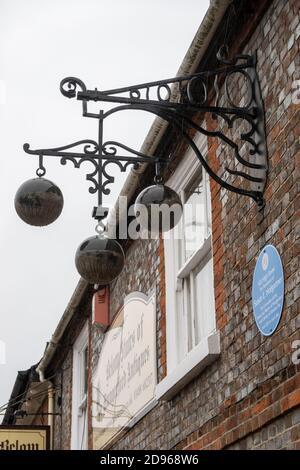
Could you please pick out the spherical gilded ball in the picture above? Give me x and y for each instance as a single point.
(39, 202)
(158, 208)
(99, 260)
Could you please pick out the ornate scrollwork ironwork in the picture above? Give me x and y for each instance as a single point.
(89, 176)
(109, 179)
(239, 124)
(90, 147)
(68, 86)
(111, 148)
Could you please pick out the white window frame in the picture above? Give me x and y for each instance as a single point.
(184, 365)
(79, 436)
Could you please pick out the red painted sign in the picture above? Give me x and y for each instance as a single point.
(101, 307)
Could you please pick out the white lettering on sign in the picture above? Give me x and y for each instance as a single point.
(125, 378)
(268, 290)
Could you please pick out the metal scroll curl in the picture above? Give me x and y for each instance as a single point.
(69, 88)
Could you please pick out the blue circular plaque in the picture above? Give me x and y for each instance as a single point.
(268, 290)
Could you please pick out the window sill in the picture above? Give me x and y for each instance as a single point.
(198, 359)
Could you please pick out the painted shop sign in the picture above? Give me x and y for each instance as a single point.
(268, 290)
(24, 437)
(125, 378)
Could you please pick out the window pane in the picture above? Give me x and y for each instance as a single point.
(208, 204)
(85, 368)
(83, 374)
(205, 301)
(194, 217)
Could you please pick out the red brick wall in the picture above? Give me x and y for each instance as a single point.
(264, 385)
(253, 389)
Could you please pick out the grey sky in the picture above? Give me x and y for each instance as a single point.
(107, 44)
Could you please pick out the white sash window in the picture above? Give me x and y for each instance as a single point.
(80, 392)
(192, 340)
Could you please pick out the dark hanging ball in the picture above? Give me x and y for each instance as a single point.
(158, 208)
(39, 202)
(99, 260)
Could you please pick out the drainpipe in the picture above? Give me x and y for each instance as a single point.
(50, 413)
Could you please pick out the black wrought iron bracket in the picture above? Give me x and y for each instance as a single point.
(179, 100)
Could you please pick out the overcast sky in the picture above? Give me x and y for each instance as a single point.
(107, 44)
